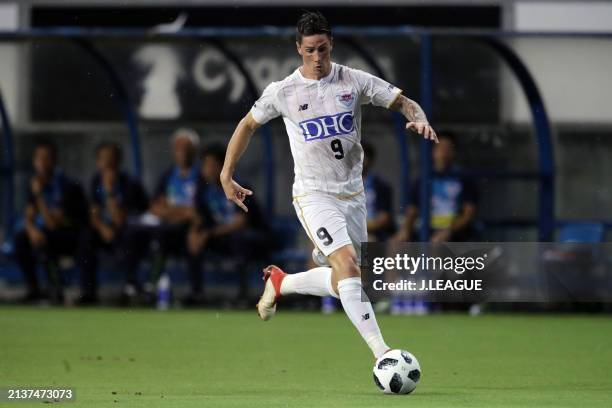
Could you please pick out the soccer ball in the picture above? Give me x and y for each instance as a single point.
(397, 372)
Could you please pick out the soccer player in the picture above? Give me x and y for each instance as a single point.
(379, 209)
(320, 103)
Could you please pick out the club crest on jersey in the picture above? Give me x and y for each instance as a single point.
(345, 99)
(328, 126)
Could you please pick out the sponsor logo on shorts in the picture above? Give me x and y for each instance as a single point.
(328, 126)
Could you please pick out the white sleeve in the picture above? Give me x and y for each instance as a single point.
(374, 90)
(265, 108)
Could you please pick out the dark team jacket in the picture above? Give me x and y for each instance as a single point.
(128, 192)
(379, 198)
(65, 194)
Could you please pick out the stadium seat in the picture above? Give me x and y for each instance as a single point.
(588, 232)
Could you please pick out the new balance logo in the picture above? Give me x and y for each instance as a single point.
(303, 107)
(365, 316)
(328, 126)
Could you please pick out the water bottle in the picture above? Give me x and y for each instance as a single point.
(163, 292)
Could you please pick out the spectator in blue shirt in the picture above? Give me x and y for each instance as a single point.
(221, 226)
(453, 199)
(116, 198)
(172, 208)
(174, 199)
(56, 213)
(453, 208)
(173, 204)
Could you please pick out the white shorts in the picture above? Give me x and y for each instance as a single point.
(332, 222)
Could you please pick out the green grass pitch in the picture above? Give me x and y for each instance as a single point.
(145, 358)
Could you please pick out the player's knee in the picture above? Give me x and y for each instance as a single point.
(344, 263)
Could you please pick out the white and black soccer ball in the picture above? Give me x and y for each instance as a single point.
(397, 372)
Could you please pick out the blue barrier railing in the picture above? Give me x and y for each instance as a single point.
(270, 31)
(7, 171)
(425, 159)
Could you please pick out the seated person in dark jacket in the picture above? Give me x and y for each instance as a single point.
(221, 226)
(379, 199)
(115, 198)
(56, 213)
(453, 199)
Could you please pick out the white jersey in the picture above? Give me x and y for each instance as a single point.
(323, 122)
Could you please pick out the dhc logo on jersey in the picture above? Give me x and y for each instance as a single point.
(328, 126)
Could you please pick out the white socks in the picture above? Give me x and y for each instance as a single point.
(315, 282)
(361, 314)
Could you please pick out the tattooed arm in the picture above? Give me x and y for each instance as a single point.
(417, 121)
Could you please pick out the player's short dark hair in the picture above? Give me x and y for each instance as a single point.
(369, 151)
(311, 23)
(47, 145)
(114, 147)
(216, 151)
